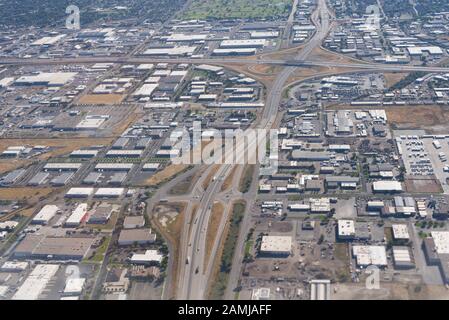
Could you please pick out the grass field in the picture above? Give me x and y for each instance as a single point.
(214, 222)
(239, 9)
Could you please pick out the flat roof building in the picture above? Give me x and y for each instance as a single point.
(276, 245)
(45, 214)
(140, 236)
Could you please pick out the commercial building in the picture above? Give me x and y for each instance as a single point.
(276, 245)
(387, 186)
(35, 246)
(140, 236)
(400, 232)
(402, 258)
(346, 229)
(50, 79)
(436, 249)
(147, 258)
(134, 222)
(109, 192)
(36, 282)
(370, 255)
(45, 214)
(74, 286)
(78, 216)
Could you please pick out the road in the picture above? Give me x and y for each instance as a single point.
(194, 278)
(298, 62)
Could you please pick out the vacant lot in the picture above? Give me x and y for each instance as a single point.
(393, 77)
(165, 175)
(417, 184)
(432, 118)
(101, 99)
(240, 9)
(168, 220)
(25, 193)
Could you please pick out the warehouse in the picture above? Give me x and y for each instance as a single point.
(387, 186)
(346, 229)
(252, 43)
(74, 286)
(38, 179)
(92, 178)
(35, 246)
(402, 258)
(400, 232)
(101, 214)
(171, 52)
(14, 266)
(134, 222)
(109, 192)
(78, 216)
(370, 255)
(62, 166)
(145, 90)
(276, 245)
(45, 214)
(62, 179)
(310, 155)
(179, 37)
(151, 166)
(124, 153)
(235, 52)
(36, 282)
(140, 236)
(84, 154)
(114, 166)
(150, 257)
(117, 178)
(12, 177)
(57, 79)
(79, 192)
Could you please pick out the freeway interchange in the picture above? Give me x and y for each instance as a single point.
(195, 268)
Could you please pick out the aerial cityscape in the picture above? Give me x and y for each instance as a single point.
(224, 150)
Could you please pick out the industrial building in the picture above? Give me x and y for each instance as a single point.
(370, 255)
(45, 214)
(276, 245)
(35, 246)
(140, 236)
(36, 282)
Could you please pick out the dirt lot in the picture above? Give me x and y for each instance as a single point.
(168, 219)
(25, 193)
(101, 99)
(166, 174)
(393, 77)
(416, 184)
(432, 118)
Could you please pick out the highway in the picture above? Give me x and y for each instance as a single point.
(194, 278)
(298, 62)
